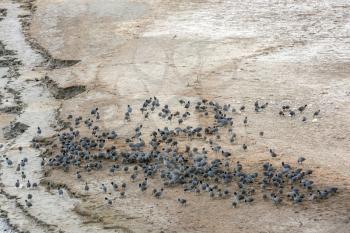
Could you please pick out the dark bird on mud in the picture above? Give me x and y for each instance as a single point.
(234, 204)
(86, 188)
(78, 175)
(157, 193)
(9, 162)
(109, 201)
(60, 191)
(245, 121)
(17, 184)
(23, 176)
(104, 188)
(276, 199)
(182, 201)
(38, 131)
(317, 113)
(245, 147)
(273, 154)
(301, 160)
(28, 203)
(302, 108)
(114, 185)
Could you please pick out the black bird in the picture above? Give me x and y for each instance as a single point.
(317, 113)
(28, 203)
(272, 153)
(302, 108)
(301, 160)
(182, 201)
(245, 121)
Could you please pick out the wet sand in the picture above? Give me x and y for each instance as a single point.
(66, 57)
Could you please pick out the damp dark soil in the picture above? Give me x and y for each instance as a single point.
(14, 130)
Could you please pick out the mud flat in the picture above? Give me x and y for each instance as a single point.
(67, 57)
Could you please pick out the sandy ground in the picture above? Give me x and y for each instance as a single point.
(282, 52)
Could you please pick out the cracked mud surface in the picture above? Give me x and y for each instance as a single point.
(114, 54)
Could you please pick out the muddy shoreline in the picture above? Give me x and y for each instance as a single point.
(67, 57)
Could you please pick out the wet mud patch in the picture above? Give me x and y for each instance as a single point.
(12, 109)
(25, 211)
(4, 51)
(18, 108)
(10, 61)
(14, 130)
(49, 61)
(63, 92)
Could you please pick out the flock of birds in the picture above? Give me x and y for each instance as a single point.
(169, 154)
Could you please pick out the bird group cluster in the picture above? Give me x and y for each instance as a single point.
(169, 153)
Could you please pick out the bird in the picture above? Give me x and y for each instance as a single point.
(129, 109)
(317, 113)
(302, 108)
(109, 201)
(245, 121)
(23, 175)
(273, 154)
(86, 188)
(182, 201)
(9, 162)
(28, 203)
(301, 160)
(60, 191)
(17, 184)
(104, 188)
